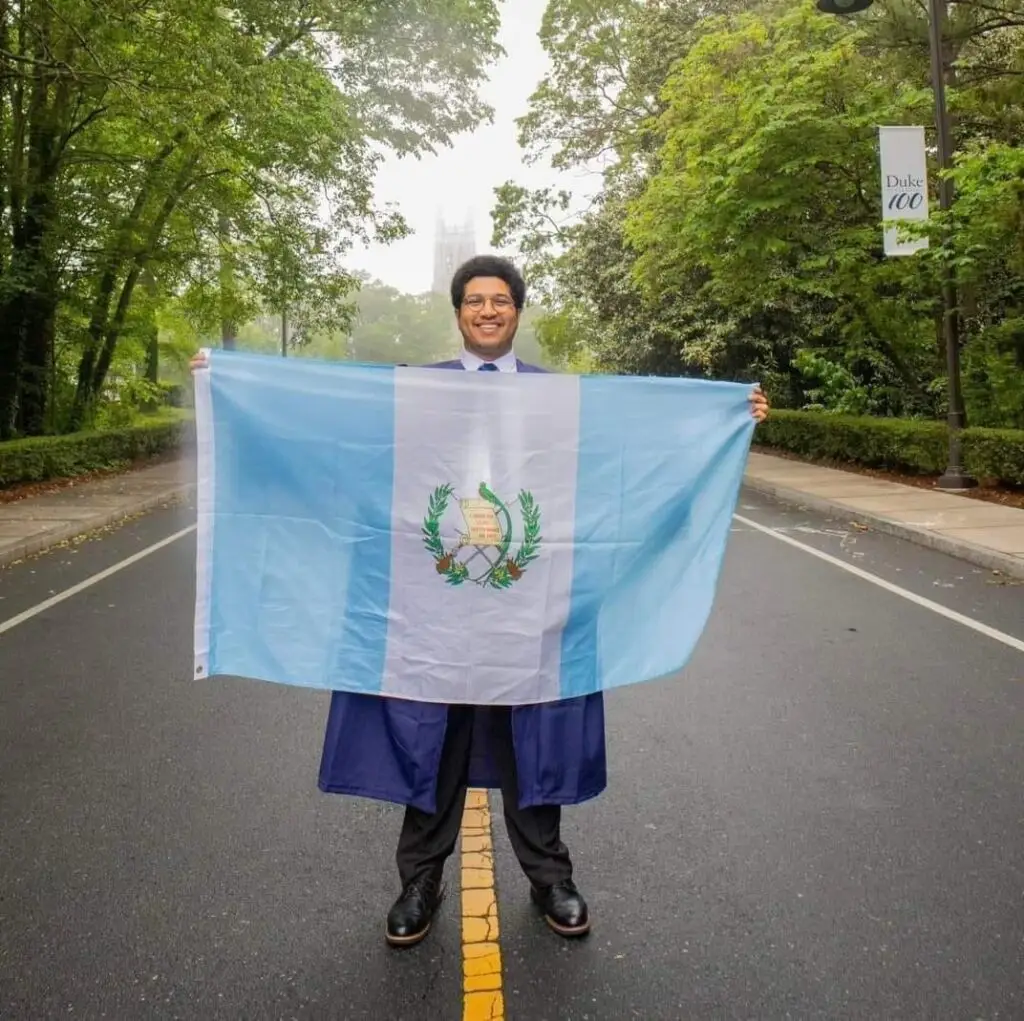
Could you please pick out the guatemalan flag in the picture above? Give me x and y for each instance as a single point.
(458, 537)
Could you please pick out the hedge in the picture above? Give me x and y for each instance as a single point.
(40, 458)
(906, 445)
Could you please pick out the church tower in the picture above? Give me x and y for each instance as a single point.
(452, 247)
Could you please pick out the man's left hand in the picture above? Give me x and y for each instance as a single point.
(758, 405)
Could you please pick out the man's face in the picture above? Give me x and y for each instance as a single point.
(488, 318)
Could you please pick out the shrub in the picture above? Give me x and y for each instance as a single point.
(40, 458)
(916, 446)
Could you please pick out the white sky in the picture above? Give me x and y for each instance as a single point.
(462, 179)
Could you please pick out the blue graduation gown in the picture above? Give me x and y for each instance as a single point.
(389, 748)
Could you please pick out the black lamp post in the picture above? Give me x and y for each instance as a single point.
(955, 477)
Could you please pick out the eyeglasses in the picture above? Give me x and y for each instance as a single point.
(500, 303)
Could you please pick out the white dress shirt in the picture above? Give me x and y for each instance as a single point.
(506, 363)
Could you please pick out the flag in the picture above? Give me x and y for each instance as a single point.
(458, 537)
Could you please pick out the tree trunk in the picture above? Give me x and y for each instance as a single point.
(29, 311)
(39, 309)
(13, 194)
(38, 326)
(228, 326)
(152, 330)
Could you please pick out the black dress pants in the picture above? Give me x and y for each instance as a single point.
(427, 840)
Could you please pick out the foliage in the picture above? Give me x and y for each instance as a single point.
(391, 327)
(40, 458)
(454, 572)
(214, 157)
(532, 538)
(835, 388)
(733, 228)
(910, 445)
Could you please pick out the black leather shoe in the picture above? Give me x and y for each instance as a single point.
(564, 908)
(411, 915)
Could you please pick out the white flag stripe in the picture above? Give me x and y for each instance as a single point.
(473, 641)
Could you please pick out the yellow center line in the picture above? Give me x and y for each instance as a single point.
(482, 998)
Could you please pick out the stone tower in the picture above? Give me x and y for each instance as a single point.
(452, 247)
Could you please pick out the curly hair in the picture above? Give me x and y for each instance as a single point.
(488, 266)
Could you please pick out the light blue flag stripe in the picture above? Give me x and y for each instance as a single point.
(301, 496)
(652, 520)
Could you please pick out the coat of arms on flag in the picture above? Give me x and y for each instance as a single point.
(483, 554)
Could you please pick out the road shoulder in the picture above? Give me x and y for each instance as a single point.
(39, 523)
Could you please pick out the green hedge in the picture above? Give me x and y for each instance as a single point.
(56, 457)
(907, 445)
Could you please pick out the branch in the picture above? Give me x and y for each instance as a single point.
(281, 45)
(51, 65)
(76, 129)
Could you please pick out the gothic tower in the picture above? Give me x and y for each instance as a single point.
(452, 247)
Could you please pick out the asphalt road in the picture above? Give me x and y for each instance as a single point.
(821, 818)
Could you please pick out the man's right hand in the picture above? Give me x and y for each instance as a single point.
(199, 361)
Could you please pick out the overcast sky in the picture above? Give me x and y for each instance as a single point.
(462, 179)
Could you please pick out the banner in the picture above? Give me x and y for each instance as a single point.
(458, 537)
(904, 186)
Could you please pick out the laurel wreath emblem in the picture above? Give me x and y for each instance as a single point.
(507, 570)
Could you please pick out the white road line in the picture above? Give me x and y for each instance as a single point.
(913, 597)
(7, 625)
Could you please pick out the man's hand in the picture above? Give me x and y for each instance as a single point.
(758, 405)
(199, 361)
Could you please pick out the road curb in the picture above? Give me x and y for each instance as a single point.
(43, 541)
(980, 556)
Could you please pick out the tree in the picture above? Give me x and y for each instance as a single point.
(596, 110)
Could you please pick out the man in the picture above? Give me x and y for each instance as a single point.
(425, 755)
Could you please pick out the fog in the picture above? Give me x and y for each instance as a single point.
(461, 180)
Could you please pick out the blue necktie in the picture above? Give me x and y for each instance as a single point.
(488, 367)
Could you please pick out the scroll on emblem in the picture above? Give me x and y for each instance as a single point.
(483, 527)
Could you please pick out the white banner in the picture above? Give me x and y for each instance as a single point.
(904, 186)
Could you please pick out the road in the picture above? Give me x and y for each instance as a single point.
(820, 818)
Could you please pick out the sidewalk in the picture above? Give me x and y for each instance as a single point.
(37, 523)
(985, 534)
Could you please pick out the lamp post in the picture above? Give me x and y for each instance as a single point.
(955, 477)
